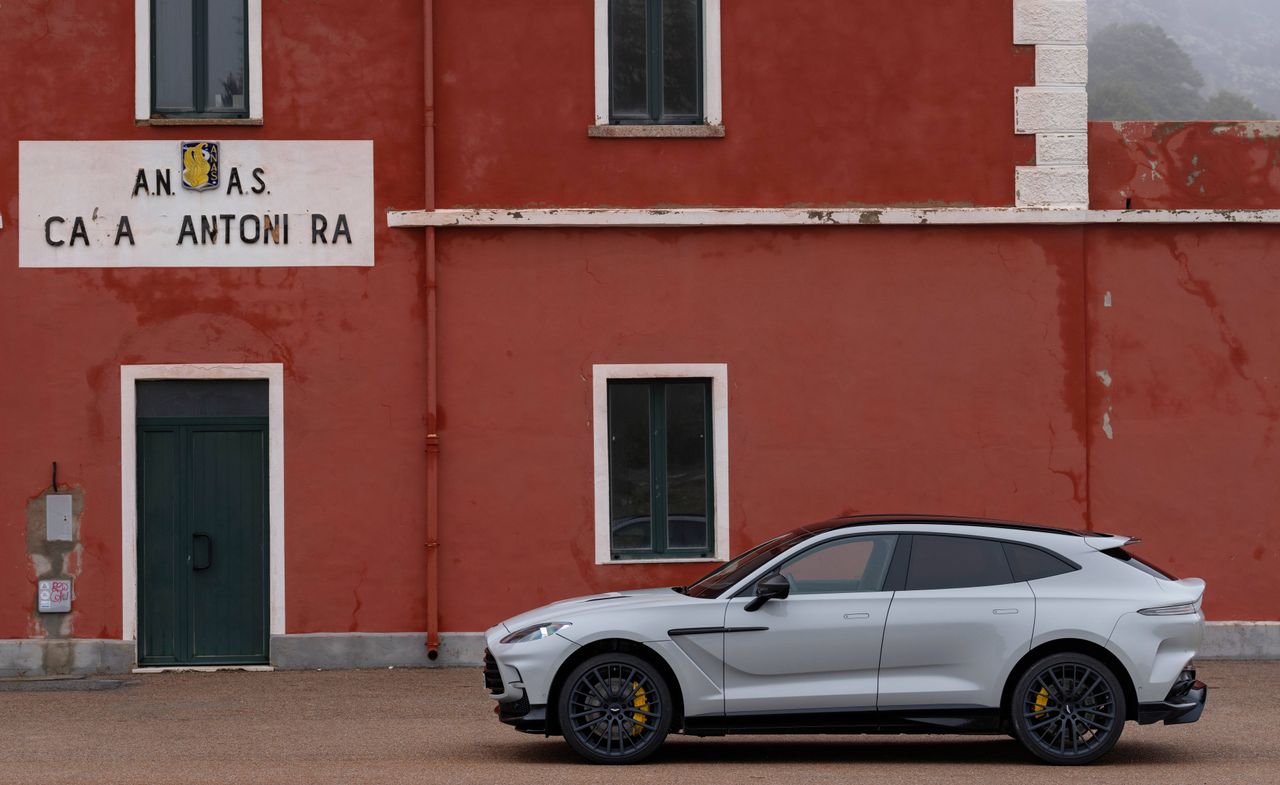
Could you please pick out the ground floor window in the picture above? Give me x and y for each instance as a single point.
(657, 486)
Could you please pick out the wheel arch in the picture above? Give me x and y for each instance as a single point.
(1074, 646)
(604, 646)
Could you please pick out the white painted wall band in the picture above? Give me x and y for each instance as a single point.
(586, 218)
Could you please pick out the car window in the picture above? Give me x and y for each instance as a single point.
(1029, 564)
(855, 564)
(940, 562)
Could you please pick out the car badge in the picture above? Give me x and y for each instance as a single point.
(199, 166)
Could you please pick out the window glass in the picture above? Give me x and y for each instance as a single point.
(198, 63)
(655, 61)
(172, 40)
(940, 562)
(681, 55)
(686, 465)
(629, 489)
(628, 62)
(226, 36)
(1029, 564)
(849, 565)
(660, 501)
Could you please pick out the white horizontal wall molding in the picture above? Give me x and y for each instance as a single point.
(799, 216)
(1056, 108)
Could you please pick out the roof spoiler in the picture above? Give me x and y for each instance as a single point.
(1104, 542)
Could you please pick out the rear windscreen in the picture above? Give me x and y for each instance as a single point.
(1136, 563)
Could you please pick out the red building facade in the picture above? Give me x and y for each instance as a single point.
(912, 277)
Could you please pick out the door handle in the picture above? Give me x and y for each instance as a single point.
(197, 563)
(857, 615)
(1005, 611)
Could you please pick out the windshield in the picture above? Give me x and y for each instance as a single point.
(726, 575)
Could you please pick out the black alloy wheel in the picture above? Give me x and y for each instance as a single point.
(1068, 709)
(615, 708)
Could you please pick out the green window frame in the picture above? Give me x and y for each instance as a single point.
(201, 103)
(670, 457)
(656, 53)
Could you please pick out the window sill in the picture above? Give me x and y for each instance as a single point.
(162, 121)
(704, 560)
(655, 131)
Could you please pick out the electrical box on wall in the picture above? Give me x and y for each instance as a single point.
(54, 596)
(57, 516)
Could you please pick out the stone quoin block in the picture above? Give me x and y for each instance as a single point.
(1052, 186)
(1050, 21)
(1070, 149)
(1062, 65)
(1050, 109)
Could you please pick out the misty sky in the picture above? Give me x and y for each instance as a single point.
(1234, 43)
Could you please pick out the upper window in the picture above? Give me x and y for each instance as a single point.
(660, 491)
(201, 60)
(858, 564)
(658, 67)
(655, 61)
(942, 562)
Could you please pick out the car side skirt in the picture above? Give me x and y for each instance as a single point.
(922, 719)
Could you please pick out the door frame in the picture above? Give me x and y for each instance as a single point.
(129, 376)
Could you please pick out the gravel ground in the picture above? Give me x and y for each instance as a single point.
(437, 726)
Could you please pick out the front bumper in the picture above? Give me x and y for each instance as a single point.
(513, 707)
(1185, 702)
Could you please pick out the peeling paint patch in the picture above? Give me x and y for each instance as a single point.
(1106, 300)
(1105, 377)
(1106, 424)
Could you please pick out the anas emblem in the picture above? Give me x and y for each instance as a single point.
(199, 166)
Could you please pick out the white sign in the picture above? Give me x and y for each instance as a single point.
(195, 203)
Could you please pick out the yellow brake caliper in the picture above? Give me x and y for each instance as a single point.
(1042, 702)
(641, 702)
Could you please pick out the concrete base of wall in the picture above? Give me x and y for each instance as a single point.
(1223, 640)
(63, 657)
(374, 650)
(1241, 640)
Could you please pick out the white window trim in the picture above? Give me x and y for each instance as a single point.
(718, 373)
(142, 69)
(129, 376)
(711, 85)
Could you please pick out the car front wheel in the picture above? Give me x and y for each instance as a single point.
(615, 708)
(1068, 709)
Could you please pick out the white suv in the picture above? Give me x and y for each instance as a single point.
(892, 624)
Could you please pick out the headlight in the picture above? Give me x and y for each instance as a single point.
(536, 632)
(1170, 610)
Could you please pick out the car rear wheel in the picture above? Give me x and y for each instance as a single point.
(615, 708)
(1068, 709)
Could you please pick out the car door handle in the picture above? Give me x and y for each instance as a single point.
(857, 615)
(1005, 611)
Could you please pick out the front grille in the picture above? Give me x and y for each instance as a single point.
(492, 676)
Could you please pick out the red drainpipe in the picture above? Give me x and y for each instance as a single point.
(433, 437)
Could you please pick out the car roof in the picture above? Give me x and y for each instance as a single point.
(854, 521)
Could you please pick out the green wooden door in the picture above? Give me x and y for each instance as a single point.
(202, 541)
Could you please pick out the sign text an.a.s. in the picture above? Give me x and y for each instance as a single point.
(196, 204)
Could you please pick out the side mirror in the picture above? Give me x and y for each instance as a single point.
(774, 587)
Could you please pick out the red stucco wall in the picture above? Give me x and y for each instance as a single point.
(351, 340)
(872, 369)
(826, 102)
(1181, 166)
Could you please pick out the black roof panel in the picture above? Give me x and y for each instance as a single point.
(945, 520)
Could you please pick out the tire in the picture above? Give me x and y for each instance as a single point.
(1068, 709)
(615, 708)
